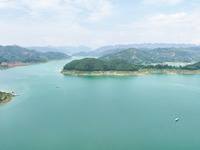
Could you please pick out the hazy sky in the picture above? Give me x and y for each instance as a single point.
(98, 22)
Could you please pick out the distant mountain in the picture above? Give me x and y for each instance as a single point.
(145, 46)
(197, 48)
(159, 55)
(101, 53)
(15, 54)
(64, 49)
(80, 54)
(94, 53)
(114, 48)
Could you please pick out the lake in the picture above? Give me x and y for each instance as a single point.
(57, 112)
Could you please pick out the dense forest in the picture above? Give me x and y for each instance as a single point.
(194, 66)
(158, 55)
(11, 54)
(93, 64)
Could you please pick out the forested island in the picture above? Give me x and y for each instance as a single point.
(5, 97)
(11, 56)
(93, 66)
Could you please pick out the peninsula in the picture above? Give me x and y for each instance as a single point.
(93, 66)
(11, 56)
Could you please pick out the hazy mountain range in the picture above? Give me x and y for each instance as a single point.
(158, 55)
(135, 53)
(63, 49)
(87, 51)
(114, 48)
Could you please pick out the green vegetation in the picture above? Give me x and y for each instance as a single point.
(13, 54)
(158, 66)
(159, 55)
(93, 64)
(195, 66)
(5, 97)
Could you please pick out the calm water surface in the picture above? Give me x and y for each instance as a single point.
(98, 112)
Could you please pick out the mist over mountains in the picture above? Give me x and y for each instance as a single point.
(63, 49)
(115, 48)
(87, 51)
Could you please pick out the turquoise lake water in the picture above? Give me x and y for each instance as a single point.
(98, 112)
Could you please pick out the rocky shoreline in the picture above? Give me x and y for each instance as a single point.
(5, 101)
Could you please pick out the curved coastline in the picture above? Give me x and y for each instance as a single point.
(128, 73)
(18, 64)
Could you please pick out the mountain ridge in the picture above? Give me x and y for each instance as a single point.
(159, 55)
(114, 48)
(16, 56)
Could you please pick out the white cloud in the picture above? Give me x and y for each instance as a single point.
(171, 17)
(52, 22)
(104, 10)
(177, 19)
(173, 28)
(4, 4)
(30, 6)
(78, 22)
(96, 9)
(35, 7)
(198, 28)
(158, 2)
(44, 34)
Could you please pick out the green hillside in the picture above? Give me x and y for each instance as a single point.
(12, 54)
(159, 55)
(93, 64)
(194, 66)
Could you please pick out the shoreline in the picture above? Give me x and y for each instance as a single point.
(19, 64)
(5, 101)
(129, 73)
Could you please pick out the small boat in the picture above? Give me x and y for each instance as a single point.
(177, 119)
(14, 94)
